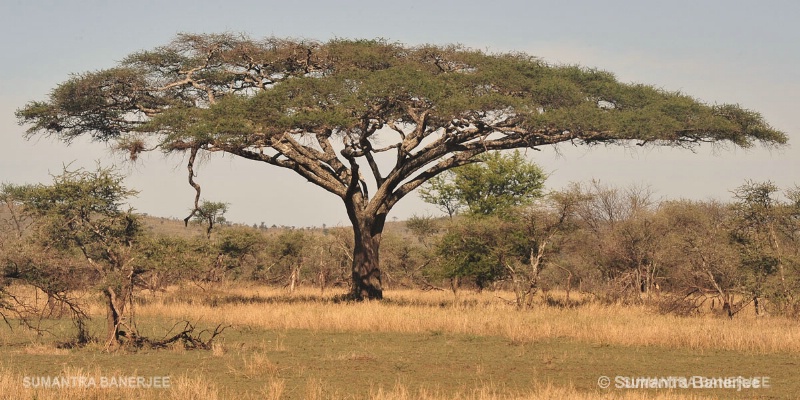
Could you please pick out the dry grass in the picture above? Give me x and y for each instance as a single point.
(415, 345)
(43, 349)
(12, 386)
(548, 391)
(483, 314)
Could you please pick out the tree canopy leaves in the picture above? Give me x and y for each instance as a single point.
(257, 98)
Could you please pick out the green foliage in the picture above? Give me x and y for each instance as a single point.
(515, 245)
(498, 183)
(238, 243)
(289, 244)
(764, 230)
(422, 227)
(495, 184)
(80, 237)
(701, 256)
(442, 192)
(481, 249)
(755, 215)
(288, 252)
(170, 260)
(314, 87)
(209, 213)
(241, 252)
(81, 210)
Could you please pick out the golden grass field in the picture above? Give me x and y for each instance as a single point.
(414, 345)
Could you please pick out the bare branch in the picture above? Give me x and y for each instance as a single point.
(195, 185)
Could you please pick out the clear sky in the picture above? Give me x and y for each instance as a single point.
(741, 52)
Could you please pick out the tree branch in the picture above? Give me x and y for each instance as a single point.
(195, 185)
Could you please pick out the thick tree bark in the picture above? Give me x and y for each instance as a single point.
(366, 261)
(115, 307)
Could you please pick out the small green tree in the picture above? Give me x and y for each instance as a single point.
(171, 259)
(494, 184)
(209, 213)
(287, 252)
(479, 249)
(81, 211)
(764, 230)
(244, 255)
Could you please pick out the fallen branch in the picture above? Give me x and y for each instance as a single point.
(189, 339)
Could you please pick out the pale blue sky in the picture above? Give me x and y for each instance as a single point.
(740, 52)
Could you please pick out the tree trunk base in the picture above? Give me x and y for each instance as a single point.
(366, 293)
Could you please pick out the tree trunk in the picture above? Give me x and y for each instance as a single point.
(366, 262)
(115, 307)
(757, 306)
(292, 279)
(455, 283)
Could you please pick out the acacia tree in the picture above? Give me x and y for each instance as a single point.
(24, 261)
(209, 213)
(80, 214)
(763, 226)
(340, 111)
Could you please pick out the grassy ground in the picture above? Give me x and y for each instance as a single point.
(417, 345)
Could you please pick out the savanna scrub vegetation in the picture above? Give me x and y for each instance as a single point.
(516, 292)
(479, 315)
